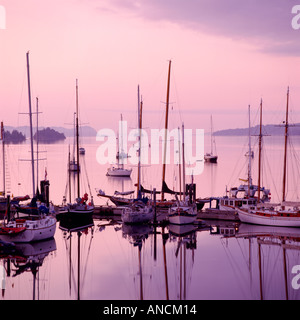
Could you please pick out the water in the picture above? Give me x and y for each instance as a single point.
(110, 261)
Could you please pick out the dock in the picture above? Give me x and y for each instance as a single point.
(217, 214)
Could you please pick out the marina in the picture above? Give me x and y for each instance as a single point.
(144, 260)
(149, 151)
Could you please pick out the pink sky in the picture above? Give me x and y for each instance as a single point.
(225, 55)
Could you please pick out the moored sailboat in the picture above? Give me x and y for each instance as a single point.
(139, 210)
(82, 206)
(246, 194)
(211, 156)
(286, 214)
(119, 170)
(27, 227)
(183, 212)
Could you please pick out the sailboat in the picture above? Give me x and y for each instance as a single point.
(211, 157)
(286, 214)
(81, 207)
(119, 171)
(28, 227)
(139, 210)
(183, 212)
(245, 194)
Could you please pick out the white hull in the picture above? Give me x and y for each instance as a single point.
(182, 229)
(251, 230)
(36, 230)
(79, 208)
(268, 220)
(118, 172)
(182, 215)
(136, 217)
(137, 214)
(227, 208)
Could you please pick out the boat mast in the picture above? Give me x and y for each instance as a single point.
(69, 176)
(259, 152)
(37, 141)
(179, 163)
(166, 131)
(30, 121)
(249, 155)
(140, 147)
(3, 155)
(285, 144)
(77, 142)
(121, 144)
(211, 138)
(183, 164)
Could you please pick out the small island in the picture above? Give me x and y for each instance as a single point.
(49, 135)
(14, 137)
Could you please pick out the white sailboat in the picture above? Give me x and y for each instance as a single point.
(211, 156)
(286, 214)
(139, 210)
(183, 212)
(119, 170)
(28, 228)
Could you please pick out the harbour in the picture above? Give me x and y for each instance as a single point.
(143, 261)
(149, 151)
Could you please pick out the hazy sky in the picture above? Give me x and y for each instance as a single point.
(225, 55)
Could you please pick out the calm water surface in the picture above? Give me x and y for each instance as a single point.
(110, 261)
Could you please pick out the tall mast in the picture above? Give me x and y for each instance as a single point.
(140, 147)
(249, 155)
(77, 141)
(285, 144)
(166, 130)
(37, 141)
(259, 152)
(30, 121)
(3, 155)
(179, 165)
(211, 138)
(121, 145)
(183, 163)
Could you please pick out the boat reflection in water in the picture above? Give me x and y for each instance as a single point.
(184, 237)
(137, 235)
(20, 258)
(78, 228)
(271, 254)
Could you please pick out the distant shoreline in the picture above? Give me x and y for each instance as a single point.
(270, 129)
(85, 131)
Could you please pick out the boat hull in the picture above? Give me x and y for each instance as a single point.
(182, 215)
(211, 159)
(38, 230)
(268, 220)
(137, 213)
(136, 217)
(119, 172)
(75, 222)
